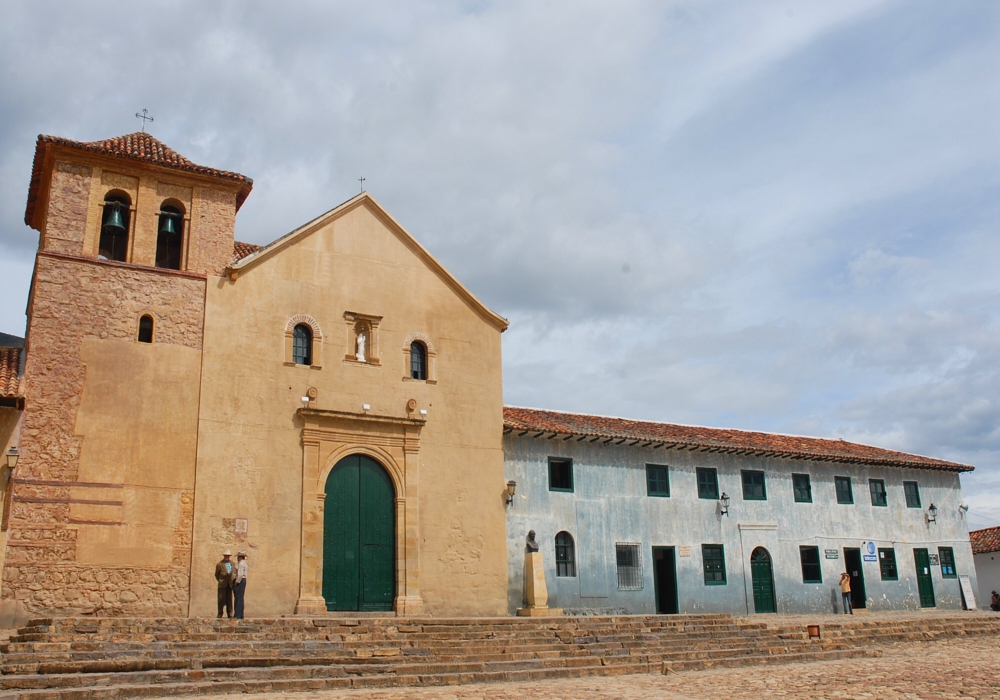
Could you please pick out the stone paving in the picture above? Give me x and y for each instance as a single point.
(956, 668)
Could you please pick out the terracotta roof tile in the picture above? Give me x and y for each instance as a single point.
(621, 429)
(241, 250)
(985, 540)
(10, 373)
(139, 146)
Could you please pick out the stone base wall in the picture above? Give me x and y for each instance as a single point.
(87, 590)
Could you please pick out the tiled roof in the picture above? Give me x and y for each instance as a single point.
(10, 376)
(139, 146)
(241, 250)
(985, 540)
(622, 431)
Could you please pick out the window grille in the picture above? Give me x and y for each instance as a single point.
(629, 566)
(565, 555)
(887, 564)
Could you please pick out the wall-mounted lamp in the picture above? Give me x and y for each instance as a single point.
(932, 514)
(511, 487)
(305, 402)
(366, 407)
(423, 412)
(12, 458)
(724, 504)
(963, 509)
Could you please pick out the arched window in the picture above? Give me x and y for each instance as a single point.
(146, 329)
(115, 220)
(418, 360)
(169, 237)
(302, 344)
(565, 555)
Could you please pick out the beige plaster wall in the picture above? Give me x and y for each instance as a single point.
(102, 507)
(250, 456)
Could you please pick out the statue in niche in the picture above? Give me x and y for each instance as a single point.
(530, 542)
(361, 338)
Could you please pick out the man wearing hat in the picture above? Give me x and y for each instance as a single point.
(240, 583)
(225, 572)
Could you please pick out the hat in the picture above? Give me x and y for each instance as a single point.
(241, 554)
(226, 553)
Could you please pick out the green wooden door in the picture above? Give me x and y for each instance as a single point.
(763, 581)
(358, 536)
(924, 583)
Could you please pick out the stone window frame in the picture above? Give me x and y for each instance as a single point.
(431, 352)
(138, 328)
(351, 321)
(317, 341)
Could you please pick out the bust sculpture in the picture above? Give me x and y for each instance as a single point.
(530, 541)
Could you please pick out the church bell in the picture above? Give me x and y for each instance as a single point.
(167, 225)
(113, 222)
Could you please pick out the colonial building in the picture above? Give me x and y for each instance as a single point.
(332, 404)
(986, 552)
(641, 517)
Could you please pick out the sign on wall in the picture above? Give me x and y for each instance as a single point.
(869, 552)
(831, 553)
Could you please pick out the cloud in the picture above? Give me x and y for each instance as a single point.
(763, 215)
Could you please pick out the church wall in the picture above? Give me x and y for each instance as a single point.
(102, 507)
(609, 504)
(251, 461)
(66, 215)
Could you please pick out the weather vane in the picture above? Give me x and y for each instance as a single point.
(362, 181)
(144, 118)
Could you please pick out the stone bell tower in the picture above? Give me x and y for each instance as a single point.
(100, 515)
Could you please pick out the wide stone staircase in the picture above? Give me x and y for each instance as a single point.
(103, 658)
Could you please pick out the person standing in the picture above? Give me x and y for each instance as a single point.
(240, 583)
(845, 593)
(225, 571)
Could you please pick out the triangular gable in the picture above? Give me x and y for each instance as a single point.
(364, 199)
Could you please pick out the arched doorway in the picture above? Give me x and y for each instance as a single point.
(359, 527)
(763, 581)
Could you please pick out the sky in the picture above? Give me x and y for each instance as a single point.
(775, 216)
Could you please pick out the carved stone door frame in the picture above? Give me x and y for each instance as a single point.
(327, 437)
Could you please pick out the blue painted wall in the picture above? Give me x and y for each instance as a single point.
(609, 505)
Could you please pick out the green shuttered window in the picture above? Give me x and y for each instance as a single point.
(708, 483)
(657, 481)
(753, 486)
(714, 562)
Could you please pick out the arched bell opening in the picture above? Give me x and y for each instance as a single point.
(116, 219)
(170, 235)
(359, 536)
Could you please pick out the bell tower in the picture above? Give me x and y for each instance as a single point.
(102, 501)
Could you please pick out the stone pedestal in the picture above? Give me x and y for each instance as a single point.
(536, 591)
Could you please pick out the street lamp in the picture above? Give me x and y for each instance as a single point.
(932, 514)
(724, 504)
(511, 487)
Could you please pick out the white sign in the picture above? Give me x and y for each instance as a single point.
(831, 553)
(970, 597)
(684, 551)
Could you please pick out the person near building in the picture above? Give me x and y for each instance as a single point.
(995, 601)
(240, 583)
(225, 572)
(845, 593)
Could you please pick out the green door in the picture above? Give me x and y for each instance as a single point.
(924, 583)
(358, 536)
(763, 581)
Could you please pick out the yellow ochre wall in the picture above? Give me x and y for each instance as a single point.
(250, 441)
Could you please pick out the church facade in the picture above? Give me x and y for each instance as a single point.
(331, 403)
